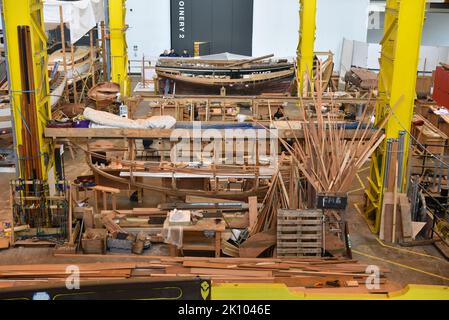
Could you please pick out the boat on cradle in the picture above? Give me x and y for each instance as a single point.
(237, 74)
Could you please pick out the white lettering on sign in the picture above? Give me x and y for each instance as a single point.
(181, 19)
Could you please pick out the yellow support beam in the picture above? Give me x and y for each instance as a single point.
(28, 14)
(305, 51)
(119, 47)
(404, 20)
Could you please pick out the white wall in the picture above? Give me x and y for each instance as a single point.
(436, 29)
(338, 20)
(275, 27)
(367, 55)
(149, 22)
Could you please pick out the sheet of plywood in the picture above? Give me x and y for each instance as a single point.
(257, 244)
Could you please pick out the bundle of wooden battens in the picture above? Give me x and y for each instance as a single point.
(325, 156)
(293, 272)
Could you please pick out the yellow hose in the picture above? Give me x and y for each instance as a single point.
(409, 251)
(400, 249)
(400, 265)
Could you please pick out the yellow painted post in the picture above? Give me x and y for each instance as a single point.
(307, 19)
(404, 20)
(28, 13)
(119, 47)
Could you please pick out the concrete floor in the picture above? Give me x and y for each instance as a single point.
(362, 241)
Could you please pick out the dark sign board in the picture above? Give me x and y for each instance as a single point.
(227, 25)
(191, 289)
(336, 202)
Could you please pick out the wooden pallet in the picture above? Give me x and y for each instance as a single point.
(299, 233)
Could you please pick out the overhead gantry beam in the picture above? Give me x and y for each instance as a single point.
(404, 20)
(305, 51)
(26, 49)
(119, 47)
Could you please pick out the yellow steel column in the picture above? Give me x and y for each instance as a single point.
(307, 19)
(404, 20)
(28, 13)
(119, 48)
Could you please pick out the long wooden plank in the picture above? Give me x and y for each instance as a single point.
(253, 212)
(406, 217)
(119, 133)
(201, 264)
(81, 266)
(246, 273)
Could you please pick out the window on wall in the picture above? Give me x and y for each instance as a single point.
(222, 25)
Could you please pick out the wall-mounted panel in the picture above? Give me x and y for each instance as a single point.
(226, 24)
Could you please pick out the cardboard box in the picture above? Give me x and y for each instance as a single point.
(94, 241)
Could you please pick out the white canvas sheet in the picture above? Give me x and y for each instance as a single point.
(79, 16)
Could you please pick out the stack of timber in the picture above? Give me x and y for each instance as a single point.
(362, 79)
(325, 158)
(396, 222)
(428, 135)
(433, 116)
(288, 225)
(262, 223)
(287, 190)
(305, 272)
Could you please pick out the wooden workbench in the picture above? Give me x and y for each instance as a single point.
(194, 238)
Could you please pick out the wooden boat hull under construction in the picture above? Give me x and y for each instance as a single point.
(81, 64)
(201, 76)
(281, 84)
(172, 188)
(57, 86)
